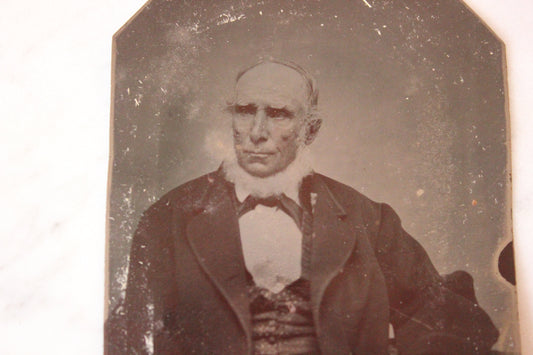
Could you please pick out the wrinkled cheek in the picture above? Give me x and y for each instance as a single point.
(287, 137)
(238, 144)
(237, 136)
(239, 133)
(289, 134)
(289, 140)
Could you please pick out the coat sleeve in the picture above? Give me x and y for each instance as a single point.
(134, 326)
(430, 314)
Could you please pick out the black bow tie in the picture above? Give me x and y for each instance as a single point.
(282, 202)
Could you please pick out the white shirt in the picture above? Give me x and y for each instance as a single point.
(271, 243)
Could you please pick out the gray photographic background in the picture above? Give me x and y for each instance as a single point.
(412, 94)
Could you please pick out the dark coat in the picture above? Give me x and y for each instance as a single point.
(187, 283)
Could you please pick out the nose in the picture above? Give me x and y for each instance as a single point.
(259, 131)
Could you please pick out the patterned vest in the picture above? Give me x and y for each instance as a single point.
(282, 323)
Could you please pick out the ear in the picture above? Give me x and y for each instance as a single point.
(311, 130)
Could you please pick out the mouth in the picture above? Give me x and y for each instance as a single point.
(258, 154)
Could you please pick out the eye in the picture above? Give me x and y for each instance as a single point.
(279, 113)
(245, 109)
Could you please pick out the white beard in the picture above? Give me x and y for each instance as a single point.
(287, 181)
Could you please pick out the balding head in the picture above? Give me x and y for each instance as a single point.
(291, 68)
(273, 116)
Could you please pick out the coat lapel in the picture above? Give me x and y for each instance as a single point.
(215, 240)
(333, 242)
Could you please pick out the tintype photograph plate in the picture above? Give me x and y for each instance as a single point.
(309, 177)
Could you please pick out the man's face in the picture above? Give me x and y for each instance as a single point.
(269, 118)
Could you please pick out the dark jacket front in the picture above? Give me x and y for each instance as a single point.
(186, 291)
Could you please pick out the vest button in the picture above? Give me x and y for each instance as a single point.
(284, 309)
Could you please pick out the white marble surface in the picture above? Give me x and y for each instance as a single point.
(55, 60)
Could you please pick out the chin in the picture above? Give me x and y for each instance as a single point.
(259, 170)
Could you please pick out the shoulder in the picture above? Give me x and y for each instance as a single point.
(348, 197)
(187, 197)
(376, 216)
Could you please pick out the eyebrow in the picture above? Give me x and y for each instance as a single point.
(251, 109)
(244, 109)
(277, 112)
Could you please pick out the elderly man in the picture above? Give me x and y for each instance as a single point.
(265, 256)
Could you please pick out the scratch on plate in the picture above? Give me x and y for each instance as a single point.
(367, 3)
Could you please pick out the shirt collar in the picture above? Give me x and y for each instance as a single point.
(285, 182)
(290, 191)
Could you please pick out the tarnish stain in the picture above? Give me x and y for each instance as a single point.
(149, 342)
(194, 27)
(226, 17)
(121, 277)
(149, 335)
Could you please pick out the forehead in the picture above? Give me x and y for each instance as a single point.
(272, 84)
